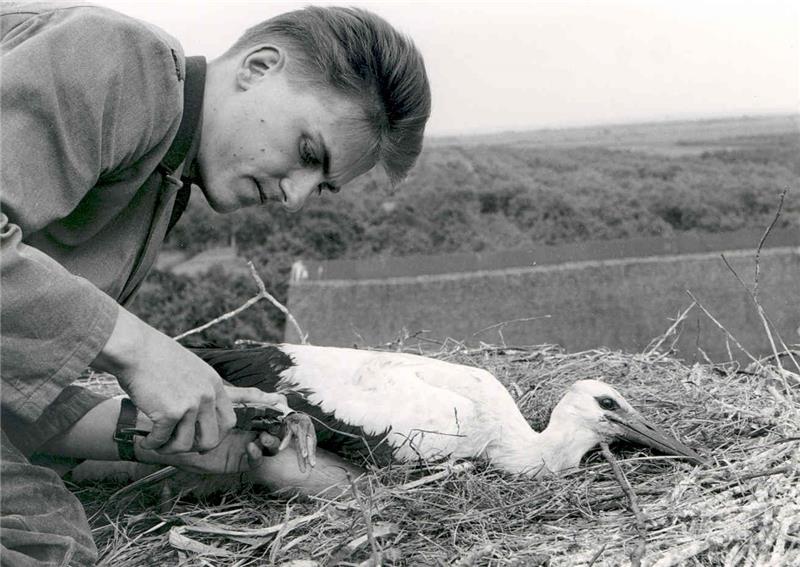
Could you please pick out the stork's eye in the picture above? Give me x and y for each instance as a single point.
(607, 403)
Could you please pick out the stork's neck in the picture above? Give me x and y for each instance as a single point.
(560, 446)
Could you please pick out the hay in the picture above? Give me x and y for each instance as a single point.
(743, 508)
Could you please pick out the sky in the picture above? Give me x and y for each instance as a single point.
(497, 66)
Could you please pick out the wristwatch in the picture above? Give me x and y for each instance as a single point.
(126, 429)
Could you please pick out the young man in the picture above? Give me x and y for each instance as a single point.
(94, 105)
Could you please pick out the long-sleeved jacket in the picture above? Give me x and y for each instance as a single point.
(91, 101)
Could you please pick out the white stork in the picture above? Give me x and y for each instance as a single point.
(386, 406)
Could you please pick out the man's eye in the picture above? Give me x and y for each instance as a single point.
(327, 187)
(307, 154)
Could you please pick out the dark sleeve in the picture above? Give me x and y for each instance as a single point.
(85, 93)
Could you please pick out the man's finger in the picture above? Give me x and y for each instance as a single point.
(254, 455)
(269, 444)
(160, 434)
(257, 397)
(207, 434)
(226, 417)
(182, 436)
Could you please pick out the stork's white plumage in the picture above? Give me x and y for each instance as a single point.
(408, 407)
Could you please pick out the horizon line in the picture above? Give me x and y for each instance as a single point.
(611, 123)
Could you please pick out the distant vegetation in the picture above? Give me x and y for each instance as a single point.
(473, 197)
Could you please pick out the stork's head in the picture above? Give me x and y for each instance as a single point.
(597, 408)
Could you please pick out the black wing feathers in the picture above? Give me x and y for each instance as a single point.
(259, 367)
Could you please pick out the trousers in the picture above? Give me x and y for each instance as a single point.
(41, 522)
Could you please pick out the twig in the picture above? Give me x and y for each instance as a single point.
(381, 530)
(474, 555)
(764, 238)
(262, 294)
(376, 552)
(597, 555)
(283, 527)
(785, 469)
(504, 323)
(718, 324)
(761, 314)
(767, 324)
(275, 546)
(638, 552)
(455, 469)
(152, 478)
(681, 318)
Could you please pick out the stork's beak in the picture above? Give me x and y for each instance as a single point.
(633, 427)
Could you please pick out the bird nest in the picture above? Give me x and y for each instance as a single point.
(741, 508)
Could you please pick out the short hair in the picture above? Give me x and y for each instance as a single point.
(361, 56)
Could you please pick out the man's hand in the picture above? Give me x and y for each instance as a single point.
(239, 451)
(183, 396)
(242, 451)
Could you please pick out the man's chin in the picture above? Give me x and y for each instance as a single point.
(219, 205)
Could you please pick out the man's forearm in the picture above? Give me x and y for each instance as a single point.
(92, 437)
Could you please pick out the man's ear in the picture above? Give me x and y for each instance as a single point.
(258, 63)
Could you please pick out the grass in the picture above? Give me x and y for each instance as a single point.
(742, 508)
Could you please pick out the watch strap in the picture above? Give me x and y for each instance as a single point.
(125, 430)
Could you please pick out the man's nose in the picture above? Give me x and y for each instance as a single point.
(297, 187)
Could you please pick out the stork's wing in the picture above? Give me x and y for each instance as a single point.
(260, 367)
(375, 405)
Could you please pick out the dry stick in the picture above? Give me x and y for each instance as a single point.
(764, 238)
(474, 555)
(504, 323)
(276, 543)
(376, 552)
(262, 294)
(766, 323)
(284, 527)
(718, 324)
(681, 318)
(757, 269)
(597, 555)
(764, 320)
(450, 470)
(638, 552)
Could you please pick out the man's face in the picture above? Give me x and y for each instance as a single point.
(272, 141)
